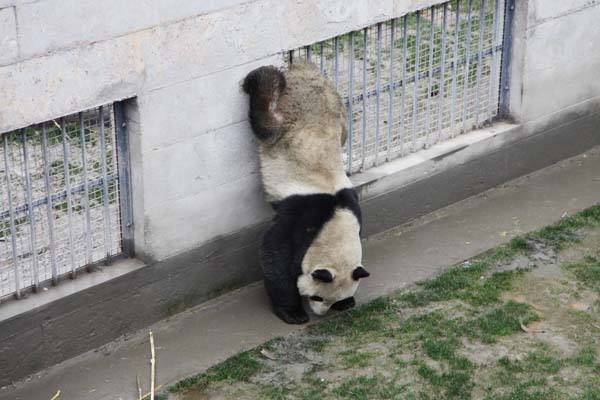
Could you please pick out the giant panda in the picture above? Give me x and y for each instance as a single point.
(312, 248)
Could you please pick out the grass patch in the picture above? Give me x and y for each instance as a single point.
(273, 392)
(354, 359)
(370, 317)
(502, 321)
(240, 368)
(538, 375)
(565, 231)
(430, 346)
(317, 344)
(467, 283)
(587, 271)
(365, 388)
(587, 356)
(450, 385)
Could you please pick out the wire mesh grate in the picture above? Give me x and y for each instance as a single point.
(416, 80)
(59, 199)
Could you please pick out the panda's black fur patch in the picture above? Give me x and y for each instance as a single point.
(297, 222)
(264, 85)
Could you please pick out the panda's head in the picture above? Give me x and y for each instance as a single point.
(326, 287)
(332, 266)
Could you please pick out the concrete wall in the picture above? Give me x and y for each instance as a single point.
(555, 61)
(194, 164)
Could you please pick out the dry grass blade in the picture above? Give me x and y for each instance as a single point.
(147, 395)
(530, 330)
(152, 366)
(139, 387)
(267, 354)
(56, 396)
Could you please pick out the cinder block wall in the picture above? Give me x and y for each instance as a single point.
(556, 58)
(194, 163)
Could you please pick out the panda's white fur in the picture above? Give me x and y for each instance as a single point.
(337, 249)
(313, 248)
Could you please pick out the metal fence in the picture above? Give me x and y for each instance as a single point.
(61, 198)
(417, 80)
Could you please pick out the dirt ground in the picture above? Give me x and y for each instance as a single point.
(518, 322)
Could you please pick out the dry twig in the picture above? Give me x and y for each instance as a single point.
(139, 387)
(152, 366)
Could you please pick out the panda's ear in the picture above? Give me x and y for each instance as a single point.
(359, 272)
(322, 275)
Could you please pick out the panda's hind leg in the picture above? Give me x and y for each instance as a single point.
(282, 290)
(280, 283)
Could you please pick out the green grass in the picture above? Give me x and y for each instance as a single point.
(469, 283)
(565, 231)
(365, 388)
(502, 321)
(530, 377)
(451, 385)
(425, 332)
(586, 271)
(354, 359)
(240, 367)
(587, 356)
(273, 392)
(355, 323)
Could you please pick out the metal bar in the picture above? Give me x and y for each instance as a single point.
(13, 231)
(291, 57)
(49, 211)
(105, 199)
(403, 94)
(86, 193)
(430, 76)
(477, 107)
(363, 136)
(467, 65)
(124, 179)
(69, 200)
(336, 62)
(31, 214)
(350, 89)
(56, 197)
(398, 84)
(322, 58)
(416, 87)
(308, 54)
(113, 143)
(442, 92)
(494, 60)
(504, 105)
(390, 92)
(454, 66)
(378, 93)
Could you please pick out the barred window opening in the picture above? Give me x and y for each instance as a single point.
(417, 80)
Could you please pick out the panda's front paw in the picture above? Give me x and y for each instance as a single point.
(295, 316)
(344, 304)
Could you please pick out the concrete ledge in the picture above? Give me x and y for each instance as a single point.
(64, 327)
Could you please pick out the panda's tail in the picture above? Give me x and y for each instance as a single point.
(265, 85)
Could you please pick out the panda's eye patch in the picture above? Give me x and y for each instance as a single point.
(316, 298)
